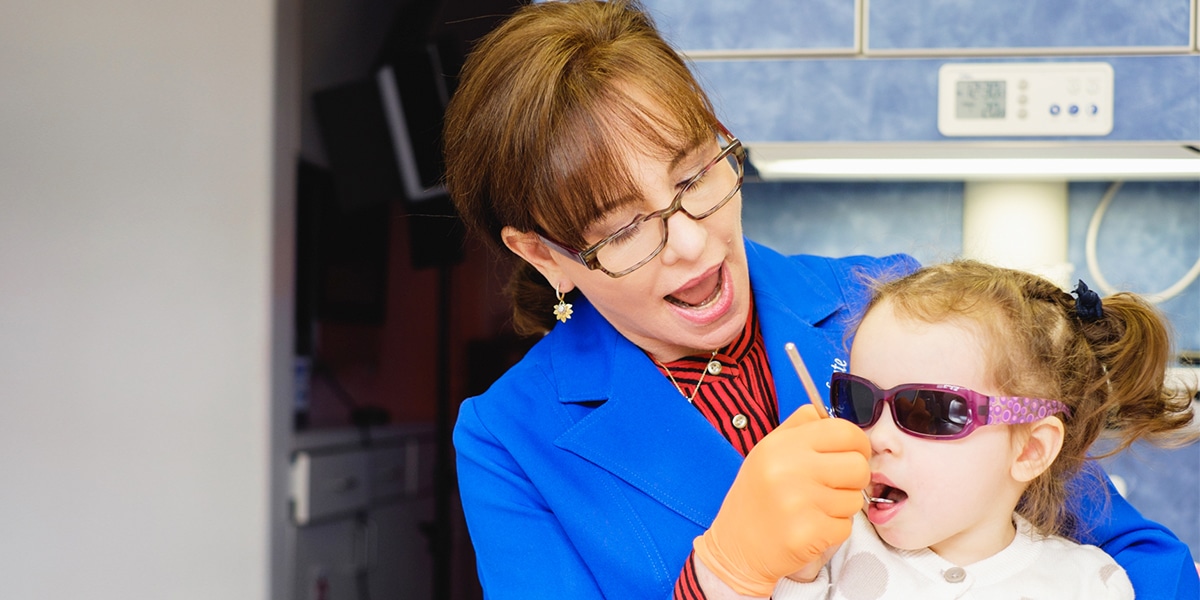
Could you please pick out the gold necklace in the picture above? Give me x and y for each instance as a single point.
(698, 381)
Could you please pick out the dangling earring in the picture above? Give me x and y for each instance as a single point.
(562, 310)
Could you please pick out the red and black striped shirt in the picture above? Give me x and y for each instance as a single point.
(736, 395)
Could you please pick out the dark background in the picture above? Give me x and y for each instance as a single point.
(401, 317)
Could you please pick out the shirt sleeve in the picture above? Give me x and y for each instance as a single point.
(817, 589)
(687, 587)
(1158, 564)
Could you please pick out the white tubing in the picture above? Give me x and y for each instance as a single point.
(1094, 265)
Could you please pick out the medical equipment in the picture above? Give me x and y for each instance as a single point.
(815, 399)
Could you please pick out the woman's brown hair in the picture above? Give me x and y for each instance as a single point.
(545, 109)
(1110, 371)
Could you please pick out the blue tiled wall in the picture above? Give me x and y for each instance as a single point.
(891, 25)
(895, 100)
(839, 219)
(1149, 238)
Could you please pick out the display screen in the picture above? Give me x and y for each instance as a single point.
(980, 100)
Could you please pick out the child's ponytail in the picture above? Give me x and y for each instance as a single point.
(1133, 347)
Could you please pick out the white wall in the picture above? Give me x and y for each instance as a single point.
(136, 292)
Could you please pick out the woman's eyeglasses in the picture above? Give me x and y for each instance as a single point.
(645, 236)
(933, 411)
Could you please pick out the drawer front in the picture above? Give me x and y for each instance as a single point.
(325, 485)
(389, 472)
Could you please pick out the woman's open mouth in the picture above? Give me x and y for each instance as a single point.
(703, 294)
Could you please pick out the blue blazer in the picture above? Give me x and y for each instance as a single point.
(583, 474)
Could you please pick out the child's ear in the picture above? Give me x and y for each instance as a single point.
(1042, 443)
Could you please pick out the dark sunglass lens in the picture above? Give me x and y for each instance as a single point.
(853, 401)
(957, 411)
(912, 412)
(931, 412)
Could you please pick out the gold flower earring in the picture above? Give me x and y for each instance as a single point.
(562, 310)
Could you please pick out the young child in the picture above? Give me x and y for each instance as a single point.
(981, 390)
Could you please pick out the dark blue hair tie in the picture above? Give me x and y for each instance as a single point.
(1087, 303)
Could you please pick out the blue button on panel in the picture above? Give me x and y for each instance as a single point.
(1054, 109)
(1074, 109)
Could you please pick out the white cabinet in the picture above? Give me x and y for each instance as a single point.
(328, 483)
(358, 513)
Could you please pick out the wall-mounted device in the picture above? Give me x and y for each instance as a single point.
(414, 96)
(1025, 99)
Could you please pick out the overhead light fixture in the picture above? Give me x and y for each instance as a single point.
(975, 161)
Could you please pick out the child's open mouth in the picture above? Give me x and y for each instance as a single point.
(886, 494)
(883, 500)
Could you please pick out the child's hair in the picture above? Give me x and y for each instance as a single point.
(1110, 370)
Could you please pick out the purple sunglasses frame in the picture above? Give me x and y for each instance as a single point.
(982, 409)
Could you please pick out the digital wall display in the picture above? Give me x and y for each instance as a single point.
(980, 99)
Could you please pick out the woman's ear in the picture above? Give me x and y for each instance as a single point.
(1042, 443)
(529, 247)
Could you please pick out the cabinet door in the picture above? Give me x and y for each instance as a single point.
(326, 484)
(756, 25)
(986, 24)
(326, 555)
(402, 565)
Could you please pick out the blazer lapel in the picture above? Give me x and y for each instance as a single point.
(814, 346)
(642, 430)
(648, 435)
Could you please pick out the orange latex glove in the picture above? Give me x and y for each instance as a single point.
(794, 496)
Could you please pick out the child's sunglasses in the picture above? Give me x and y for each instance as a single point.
(933, 411)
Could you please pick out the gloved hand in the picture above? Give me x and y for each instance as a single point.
(794, 496)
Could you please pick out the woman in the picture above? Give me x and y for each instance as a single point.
(609, 461)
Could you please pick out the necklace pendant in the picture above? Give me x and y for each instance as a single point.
(713, 367)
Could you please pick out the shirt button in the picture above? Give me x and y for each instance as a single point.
(740, 421)
(955, 574)
(714, 367)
